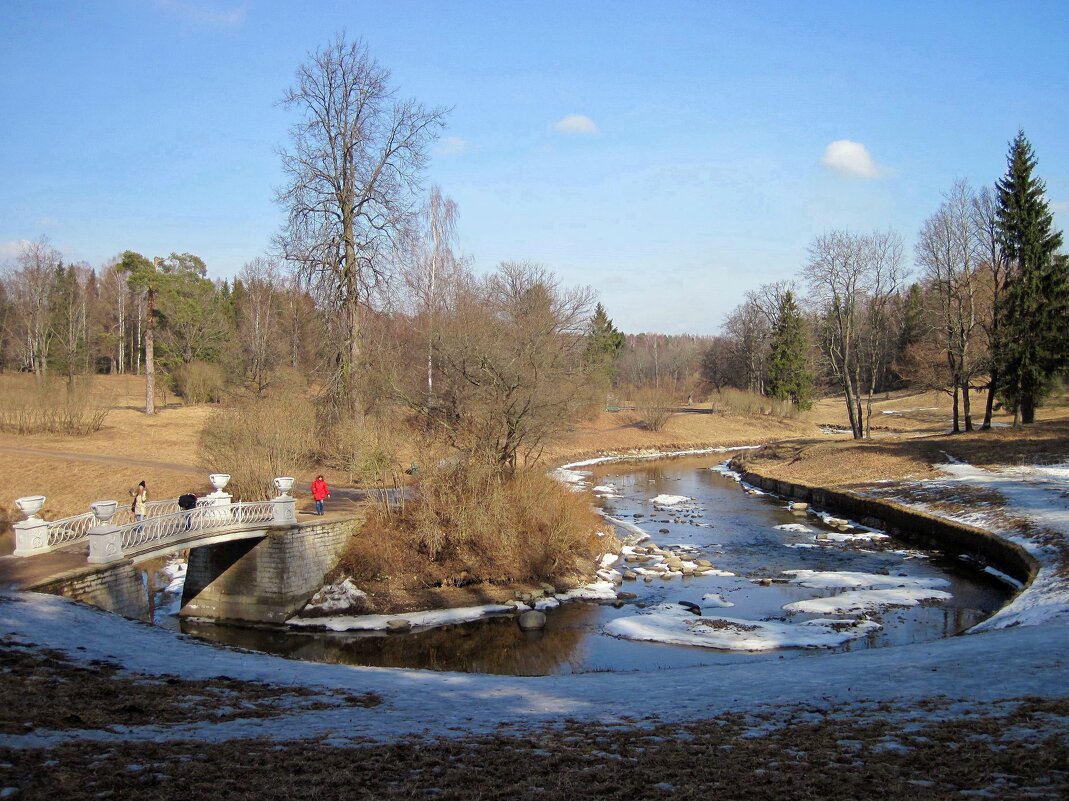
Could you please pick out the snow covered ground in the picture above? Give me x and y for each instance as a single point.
(1022, 651)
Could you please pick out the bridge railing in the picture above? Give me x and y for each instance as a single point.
(74, 529)
(162, 529)
(164, 521)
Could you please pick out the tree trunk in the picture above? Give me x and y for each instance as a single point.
(1028, 409)
(150, 365)
(957, 425)
(965, 405)
(990, 401)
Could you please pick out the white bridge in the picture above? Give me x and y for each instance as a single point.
(113, 533)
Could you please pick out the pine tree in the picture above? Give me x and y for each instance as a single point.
(788, 368)
(604, 341)
(1032, 344)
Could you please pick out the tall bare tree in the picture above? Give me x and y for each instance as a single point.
(31, 286)
(259, 321)
(949, 254)
(997, 266)
(853, 278)
(352, 172)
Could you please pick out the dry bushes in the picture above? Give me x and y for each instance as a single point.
(200, 382)
(32, 405)
(256, 441)
(653, 407)
(469, 524)
(740, 403)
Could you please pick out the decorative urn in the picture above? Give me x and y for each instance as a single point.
(30, 505)
(219, 480)
(284, 484)
(103, 510)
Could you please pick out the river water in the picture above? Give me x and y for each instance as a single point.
(753, 536)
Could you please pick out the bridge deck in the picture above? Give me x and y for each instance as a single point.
(21, 573)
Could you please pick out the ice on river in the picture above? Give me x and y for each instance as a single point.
(856, 601)
(851, 580)
(670, 500)
(677, 626)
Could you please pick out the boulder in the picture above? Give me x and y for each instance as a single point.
(532, 620)
(398, 626)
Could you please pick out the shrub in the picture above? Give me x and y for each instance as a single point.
(470, 523)
(653, 407)
(200, 382)
(740, 403)
(256, 441)
(34, 405)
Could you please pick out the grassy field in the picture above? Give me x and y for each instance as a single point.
(162, 450)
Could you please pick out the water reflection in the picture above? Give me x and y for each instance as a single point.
(735, 530)
(495, 645)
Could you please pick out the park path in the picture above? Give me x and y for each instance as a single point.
(47, 453)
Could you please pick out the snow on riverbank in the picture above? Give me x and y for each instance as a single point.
(1037, 494)
(1020, 658)
(1025, 660)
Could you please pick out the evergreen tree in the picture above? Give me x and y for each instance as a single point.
(1032, 344)
(604, 342)
(788, 368)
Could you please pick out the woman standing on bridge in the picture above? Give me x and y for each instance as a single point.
(320, 491)
(140, 499)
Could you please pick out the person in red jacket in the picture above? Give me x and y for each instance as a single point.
(320, 492)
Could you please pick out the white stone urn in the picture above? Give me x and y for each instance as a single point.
(103, 510)
(219, 480)
(284, 484)
(30, 505)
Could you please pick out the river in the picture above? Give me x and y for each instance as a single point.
(751, 540)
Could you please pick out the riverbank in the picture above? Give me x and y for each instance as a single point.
(982, 714)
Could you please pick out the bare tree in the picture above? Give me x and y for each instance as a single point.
(997, 268)
(115, 296)
(510, 354)
(948, 252)
(259, 321)
(352, 170)
(854, 278)
(30, 289)
(430, 261)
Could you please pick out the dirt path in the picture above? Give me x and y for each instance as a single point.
(149, 464)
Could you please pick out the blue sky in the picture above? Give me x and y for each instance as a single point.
(671, 155)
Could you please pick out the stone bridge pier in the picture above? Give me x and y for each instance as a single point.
(265, 579)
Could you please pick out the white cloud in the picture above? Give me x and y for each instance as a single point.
(851, 158)
(10, 248)
(576, 124)
(454, 146)
(203, 14)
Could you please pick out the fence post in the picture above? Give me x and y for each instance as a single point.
(285, 508)
(31, 534)
(105, 544)
(31, 537)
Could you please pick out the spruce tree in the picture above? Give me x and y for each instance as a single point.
(603, 341)
(1032, 344)
(788, 368)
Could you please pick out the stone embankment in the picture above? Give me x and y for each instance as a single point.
(908, 524)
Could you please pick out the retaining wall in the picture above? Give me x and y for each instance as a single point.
(118, 587)
(266, 580)
(911, 525)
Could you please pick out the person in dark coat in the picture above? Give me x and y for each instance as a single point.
(188, 502)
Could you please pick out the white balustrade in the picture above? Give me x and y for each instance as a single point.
(113, 533)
